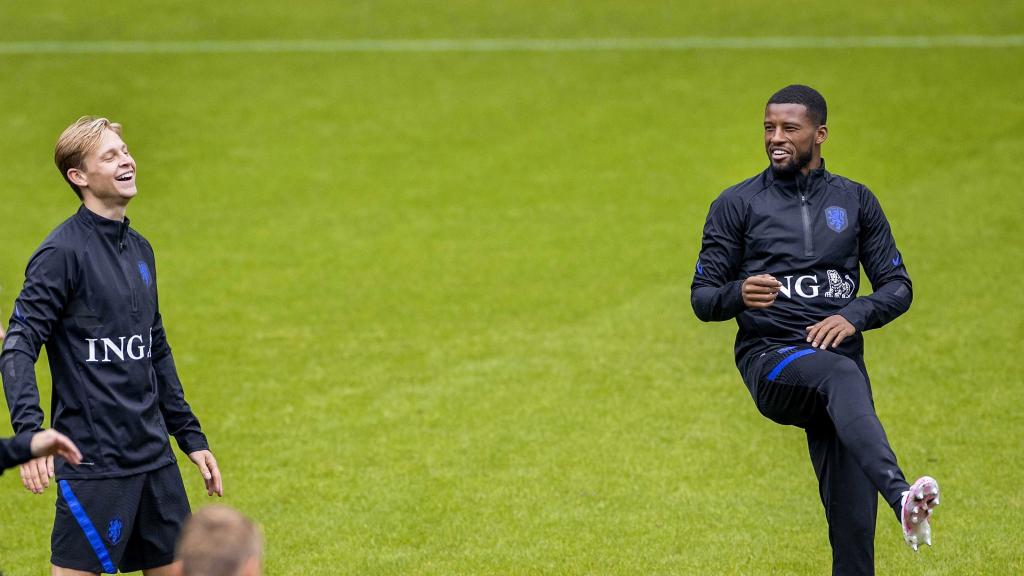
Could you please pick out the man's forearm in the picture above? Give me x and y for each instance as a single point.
(714, 304)
(879, 308)
(181, 422)
(19, 376)
(14, 451)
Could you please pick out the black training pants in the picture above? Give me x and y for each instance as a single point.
(829, 396)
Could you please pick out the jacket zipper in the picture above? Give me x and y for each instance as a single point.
(808, 244)
(127, 271)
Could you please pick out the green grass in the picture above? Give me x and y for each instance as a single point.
(433, 309)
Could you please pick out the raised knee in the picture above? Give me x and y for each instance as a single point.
(845, 372)
(845, 367)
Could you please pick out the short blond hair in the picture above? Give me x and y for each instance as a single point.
(218, 541)
(77, 141)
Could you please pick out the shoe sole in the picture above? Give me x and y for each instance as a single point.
(918, 503)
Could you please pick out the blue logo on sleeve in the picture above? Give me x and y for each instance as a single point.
(897, 260)
(700, 269)
(836, 218)
(144, 272)
(114, 531)
(17, 313)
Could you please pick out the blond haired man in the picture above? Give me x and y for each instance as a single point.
(220, 541)
(90, 297)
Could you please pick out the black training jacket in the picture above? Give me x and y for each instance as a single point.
(90, 297)
(812, 234)
(14, 451)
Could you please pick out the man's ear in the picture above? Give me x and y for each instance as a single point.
(78, 177)
(821, 134)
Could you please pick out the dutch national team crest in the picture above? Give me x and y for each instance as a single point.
(144, 272)
(836, 218)
(114, 531)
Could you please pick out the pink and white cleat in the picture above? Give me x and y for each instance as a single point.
(918, 503)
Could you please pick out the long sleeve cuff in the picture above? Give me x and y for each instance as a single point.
(715, 304)
(16, 450)
(190, 442)
(857, 312)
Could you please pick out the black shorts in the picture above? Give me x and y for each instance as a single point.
(130, 523)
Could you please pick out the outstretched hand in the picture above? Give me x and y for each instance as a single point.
(207, 465)
(36, 473)
(50, 442)
(832, 330)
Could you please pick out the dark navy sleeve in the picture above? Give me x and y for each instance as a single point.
(181, 422)
(890, 282)
(715, 290)
(48, 283)
(14, 451)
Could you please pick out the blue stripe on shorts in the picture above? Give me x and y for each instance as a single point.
(90, 531)
(785, 362)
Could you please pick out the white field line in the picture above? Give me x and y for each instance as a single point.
(682, 43)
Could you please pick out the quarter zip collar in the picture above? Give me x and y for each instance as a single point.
(115, 232)
(802, 189)
(799, 184)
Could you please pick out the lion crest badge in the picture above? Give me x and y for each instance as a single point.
(114, 531)
(836, 218)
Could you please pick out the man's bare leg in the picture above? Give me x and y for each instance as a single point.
(58, 571)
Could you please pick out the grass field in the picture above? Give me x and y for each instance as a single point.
(432, 308)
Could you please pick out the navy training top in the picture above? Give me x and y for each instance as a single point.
(812, 234)
(90, 296)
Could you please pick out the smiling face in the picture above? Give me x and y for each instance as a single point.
(107, 173)
(792, 139)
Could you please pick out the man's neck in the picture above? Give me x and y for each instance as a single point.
(813, 165)
(109, 211)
